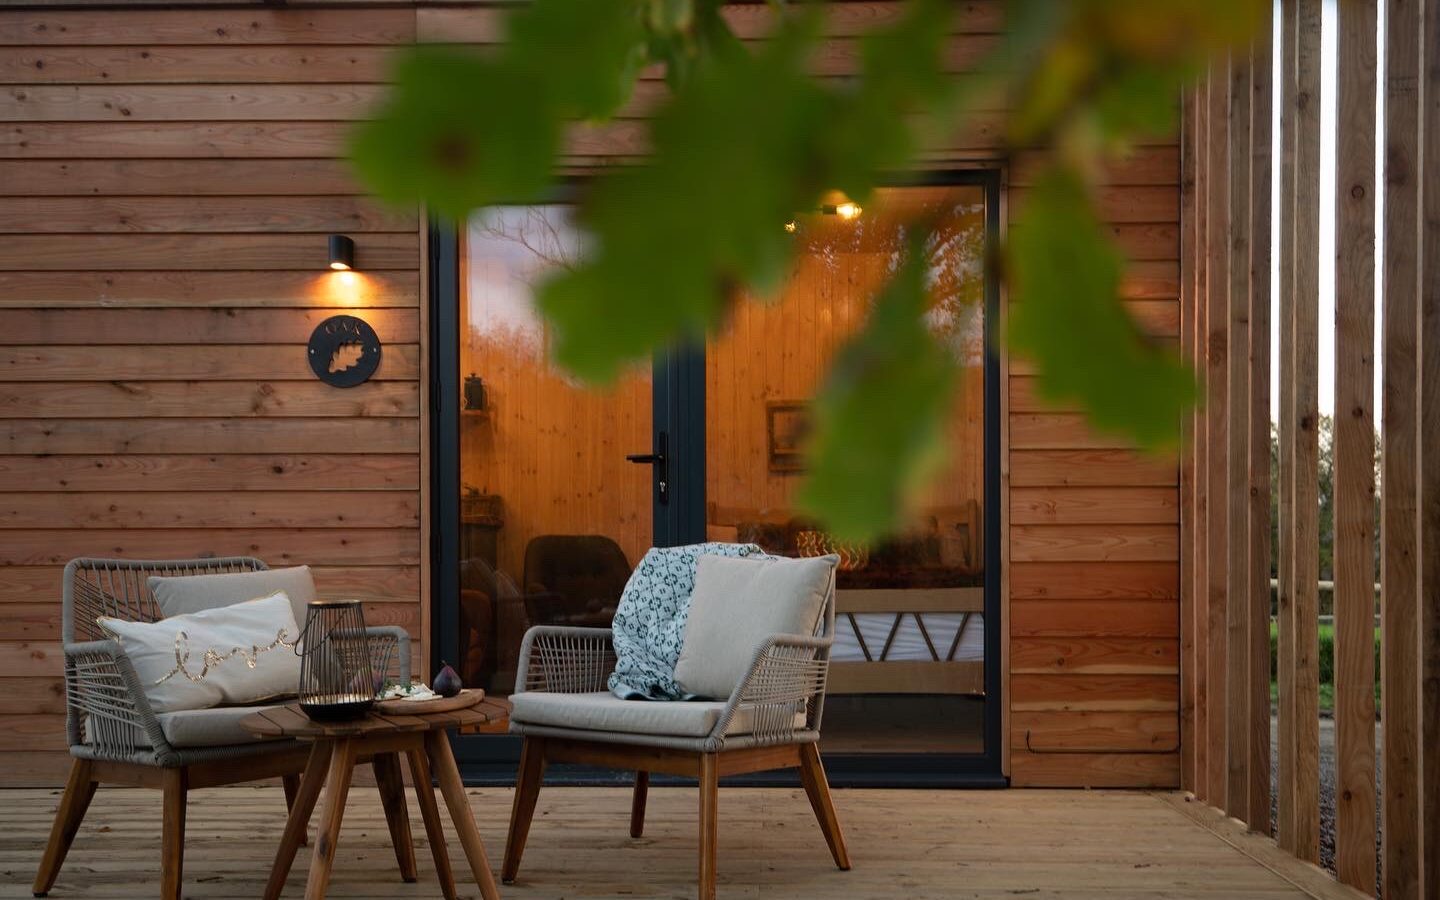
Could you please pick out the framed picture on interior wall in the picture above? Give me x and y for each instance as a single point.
(787, 425)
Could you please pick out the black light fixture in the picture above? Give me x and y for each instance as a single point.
(342, 252)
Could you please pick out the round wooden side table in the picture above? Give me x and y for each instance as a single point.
(337, 747)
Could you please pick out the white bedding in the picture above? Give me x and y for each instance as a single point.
(909, 643)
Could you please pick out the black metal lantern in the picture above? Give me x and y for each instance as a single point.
(337, 676)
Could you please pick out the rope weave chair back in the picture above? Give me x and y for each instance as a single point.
(119, 588)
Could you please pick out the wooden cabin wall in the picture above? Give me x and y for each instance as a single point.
(167, 181)
(1092, 546)
(167, 177)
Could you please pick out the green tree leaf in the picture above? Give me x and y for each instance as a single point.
(459, 131)
(1066, 315)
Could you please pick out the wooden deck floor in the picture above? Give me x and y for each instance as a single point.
(911, 844)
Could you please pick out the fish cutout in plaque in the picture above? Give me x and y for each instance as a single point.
(344, 351)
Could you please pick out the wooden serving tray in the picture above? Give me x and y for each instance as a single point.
(463, 700)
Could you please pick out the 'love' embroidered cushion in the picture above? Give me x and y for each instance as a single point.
(240, 653)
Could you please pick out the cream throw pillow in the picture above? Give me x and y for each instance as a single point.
(180, 594)
(234, 654)
(738, 602)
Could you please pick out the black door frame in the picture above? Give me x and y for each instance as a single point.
(679, 414)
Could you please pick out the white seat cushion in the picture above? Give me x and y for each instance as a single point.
(603, 711)
(214, 727)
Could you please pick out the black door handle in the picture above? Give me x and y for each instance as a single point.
(658, 460)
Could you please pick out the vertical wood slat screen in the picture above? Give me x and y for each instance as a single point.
(1427, 377)
(1354, 446)
(1399, 672)
(1225, 499)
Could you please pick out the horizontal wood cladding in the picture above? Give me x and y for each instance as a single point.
(1093, 505)
(303, 287)
(1095, 731)
(199, 509)
(1094, 655)
(204, 252)
(1097, 770)
(1092, 618)
(167, 181)
(213, 472)
(122, 327)
(261, 214)
(255, 25)
(192, 363)
(128, 178)
(252, 437)
(277, 546)
(395, 585)
(184, 399)
(30, 64)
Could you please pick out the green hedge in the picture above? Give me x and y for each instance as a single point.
(1327, 653)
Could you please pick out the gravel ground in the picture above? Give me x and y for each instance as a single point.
(1327, 790)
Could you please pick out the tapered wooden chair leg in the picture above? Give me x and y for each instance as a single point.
(709, 824)
(172, 838)
(79, 791)
(527, 791)
(291, 784)
(637, 804)
(812, 775)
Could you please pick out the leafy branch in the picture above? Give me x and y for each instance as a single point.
(748, 138)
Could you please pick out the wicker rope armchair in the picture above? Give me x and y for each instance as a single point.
(115, 736)
(770, 721)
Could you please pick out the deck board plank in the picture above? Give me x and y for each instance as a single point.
(919, 844)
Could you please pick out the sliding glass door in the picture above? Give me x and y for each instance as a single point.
(546, 493)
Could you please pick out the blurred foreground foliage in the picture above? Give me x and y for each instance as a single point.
(746, 137)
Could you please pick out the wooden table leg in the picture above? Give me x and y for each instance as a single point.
(327, 837)
(299, 819)
(448, 774)
(392, 797)
(430, 815)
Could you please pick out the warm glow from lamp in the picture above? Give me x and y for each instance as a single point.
(790, 227)
(848, 210)
(340, 266)
(342, 287)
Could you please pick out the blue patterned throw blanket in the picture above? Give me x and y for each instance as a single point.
(650, 621)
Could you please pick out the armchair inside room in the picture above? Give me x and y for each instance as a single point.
(574, 579)
(116, 737)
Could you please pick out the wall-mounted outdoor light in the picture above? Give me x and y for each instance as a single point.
(342, 253)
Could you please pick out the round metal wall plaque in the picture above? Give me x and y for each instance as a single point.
(344, 351)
